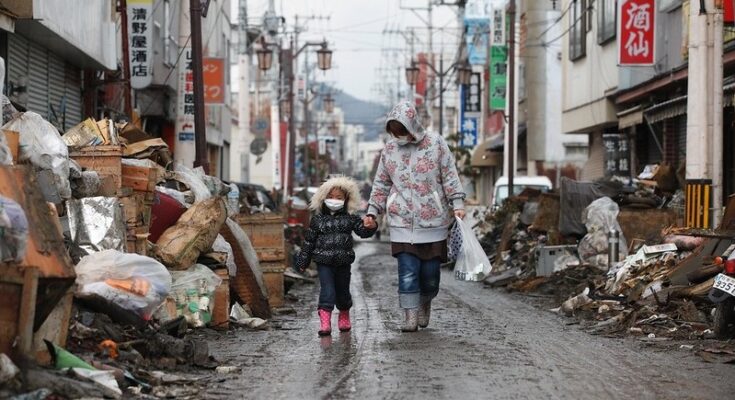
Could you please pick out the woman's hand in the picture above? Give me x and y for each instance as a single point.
(459, 213)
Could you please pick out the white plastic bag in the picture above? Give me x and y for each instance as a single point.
(13, 231)
(41, 144)
(193, 292)
(221, 245)
(599, 217)
(134, 282)
(472, 262)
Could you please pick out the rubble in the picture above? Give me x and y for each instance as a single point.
(150, 247)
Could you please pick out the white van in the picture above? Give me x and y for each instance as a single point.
(520, 183)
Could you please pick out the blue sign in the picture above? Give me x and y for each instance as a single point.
(469, 121)
(186, 136)
(478, 33)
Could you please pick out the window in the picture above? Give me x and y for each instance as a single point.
(606, 13)
(577, 30)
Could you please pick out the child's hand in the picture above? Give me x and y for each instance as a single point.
(369, 222)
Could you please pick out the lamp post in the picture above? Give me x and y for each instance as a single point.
(464, 74)
(324, 62)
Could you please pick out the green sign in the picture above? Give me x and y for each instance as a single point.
(498, 76)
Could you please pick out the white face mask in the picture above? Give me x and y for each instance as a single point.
(334, 204)
(402, 141)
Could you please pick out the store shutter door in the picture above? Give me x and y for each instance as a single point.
(17, 70)
(65, 99)
(38, 80)
(594, 168)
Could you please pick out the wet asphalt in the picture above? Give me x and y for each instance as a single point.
(481, 344)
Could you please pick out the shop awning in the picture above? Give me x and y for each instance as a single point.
(668, 109)
(495, 142)
(630, 117)
(482, 157)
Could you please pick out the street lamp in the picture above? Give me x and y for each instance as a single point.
(464, 74)
(324, 57)
(412, 74)
(328, 104)
(265, 58)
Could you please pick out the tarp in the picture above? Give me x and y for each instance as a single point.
(575, 197)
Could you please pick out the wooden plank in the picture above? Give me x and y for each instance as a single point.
(107, 161)
(141, 179)
(27, 311)
(246, 284)
(55, 329)
(13, 139)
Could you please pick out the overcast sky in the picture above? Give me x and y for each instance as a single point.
(356, 31)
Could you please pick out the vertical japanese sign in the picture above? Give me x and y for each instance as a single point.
(139, 28)
(617, 154)
(498, 76)
(636, 32)
(478, 31)
(185, 99)
(213, 70)
(470, 112)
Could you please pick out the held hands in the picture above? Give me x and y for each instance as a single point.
(369, 222)
(459, 213)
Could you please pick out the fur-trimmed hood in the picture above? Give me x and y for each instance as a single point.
(348, 185)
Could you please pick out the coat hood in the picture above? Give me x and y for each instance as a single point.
(348, 185)
(405, 113)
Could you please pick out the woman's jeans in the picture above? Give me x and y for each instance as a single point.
(335, 287)
(418, 280)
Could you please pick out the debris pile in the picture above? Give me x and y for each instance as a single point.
(115, 254)
(556, 246)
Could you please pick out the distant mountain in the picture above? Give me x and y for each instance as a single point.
(361, 112)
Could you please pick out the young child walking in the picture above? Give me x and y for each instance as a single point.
(328, 242)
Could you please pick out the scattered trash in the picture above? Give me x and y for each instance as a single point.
(13, 231)
(96, 224)
(134, 282)
(193, 291)
(196, 230)
(226, 369)
(8, 370)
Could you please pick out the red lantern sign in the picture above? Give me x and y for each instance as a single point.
(636, 32)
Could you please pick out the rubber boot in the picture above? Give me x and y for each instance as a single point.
(325, 322)
(424, 314)
(411, 322)
(343, 321)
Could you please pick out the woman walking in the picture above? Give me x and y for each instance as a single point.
(418, 187)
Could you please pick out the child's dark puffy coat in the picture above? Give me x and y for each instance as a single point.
(329, 239)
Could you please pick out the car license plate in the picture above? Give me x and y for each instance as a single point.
(725, 283)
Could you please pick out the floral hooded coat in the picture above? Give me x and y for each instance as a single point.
(416, 183)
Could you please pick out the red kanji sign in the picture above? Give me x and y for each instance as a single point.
(729, 12)
(636, 32)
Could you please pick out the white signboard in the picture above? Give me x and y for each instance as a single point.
(140, 26)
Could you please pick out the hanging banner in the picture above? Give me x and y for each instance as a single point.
(498, 29)
(478, 31)
(636, 32)
(139, 29)
(469, 114)
(498, 76)
(213, 70)
(617, 154)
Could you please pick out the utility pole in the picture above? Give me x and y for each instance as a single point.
(195, 10)
(704, 115)
(239, 153)
(123, 9)
(511, 94)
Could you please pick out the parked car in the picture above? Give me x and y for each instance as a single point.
(520, 183)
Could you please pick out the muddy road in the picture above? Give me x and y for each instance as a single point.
(481, 343)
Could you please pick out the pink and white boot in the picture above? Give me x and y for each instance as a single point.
(325, 322)
(343, 321)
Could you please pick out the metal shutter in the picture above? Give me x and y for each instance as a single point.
(38, 80)
(65, 97)
(74, 101)
(681, 145)
(17, 69)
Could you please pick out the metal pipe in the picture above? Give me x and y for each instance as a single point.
(441, 95)
(613, 247)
